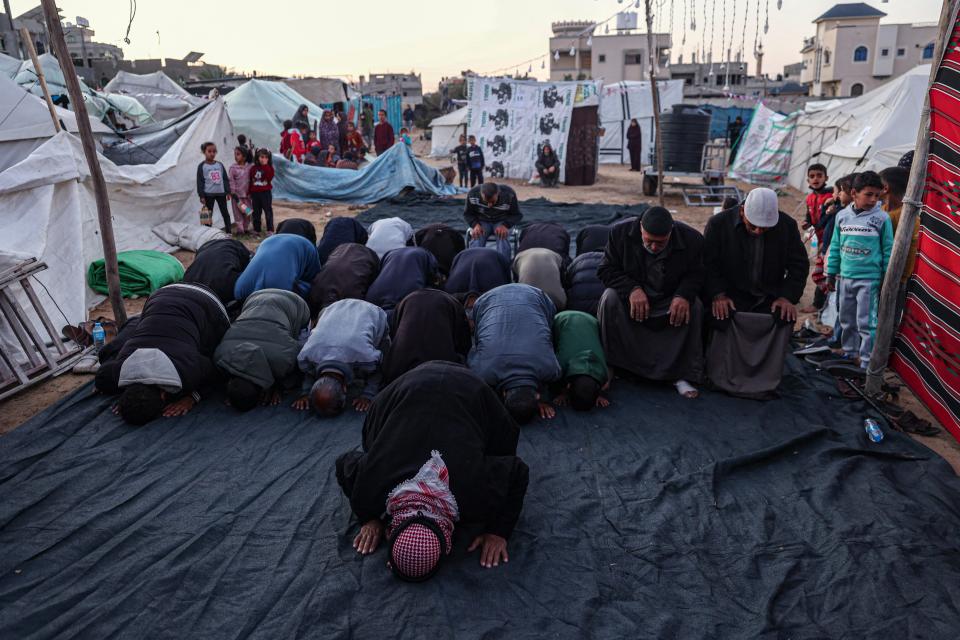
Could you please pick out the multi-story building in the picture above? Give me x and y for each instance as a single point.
(578, 52)
(732, 74)
(852, 53)
(407, 85)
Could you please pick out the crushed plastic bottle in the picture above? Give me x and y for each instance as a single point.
(874, 432)
(99, 336)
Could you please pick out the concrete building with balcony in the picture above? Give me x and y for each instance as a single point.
(406, 85)
(852, 53)
(578, 51)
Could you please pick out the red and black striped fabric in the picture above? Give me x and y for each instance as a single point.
(927, 347)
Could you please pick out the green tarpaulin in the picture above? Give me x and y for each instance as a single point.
(141, 272)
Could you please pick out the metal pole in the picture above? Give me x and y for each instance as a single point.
(18, 46)
(25, 37)
(658, 141)
(55, 31)
(887, 311)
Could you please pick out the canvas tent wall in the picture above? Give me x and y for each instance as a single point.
(446, 130)
(849, 136)
(623, 101)
(763, 156)
(26, 123)
(9, 66)
(161, 96)
(148, 144)
(50, 211)
(258, 108)
(322, 90)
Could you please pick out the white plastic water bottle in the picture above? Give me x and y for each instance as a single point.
(813, 242)
(99, 336)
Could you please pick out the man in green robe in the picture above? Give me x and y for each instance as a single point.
(576, 336)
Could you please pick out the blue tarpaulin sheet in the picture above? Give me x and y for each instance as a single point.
(722, 117)
(386, 176)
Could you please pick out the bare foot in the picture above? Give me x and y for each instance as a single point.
(686, 389)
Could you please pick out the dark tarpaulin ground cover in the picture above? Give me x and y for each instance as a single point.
(657, 518)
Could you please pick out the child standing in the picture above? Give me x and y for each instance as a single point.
(475, 162)
(460, 153)
(859, 252)
(240, 183)
(824, 228)
(213, 183)
(261, 190)
(405, 137)
(819, 194)
(312, 142)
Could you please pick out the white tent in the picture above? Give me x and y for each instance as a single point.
(763, 156)
(8, 66)
(162, 97)
(26, 123)
(259, 107)
(858, 133)
(446, 130)
(623, 101)
(50, 211)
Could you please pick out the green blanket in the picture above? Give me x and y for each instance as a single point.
(141, 272)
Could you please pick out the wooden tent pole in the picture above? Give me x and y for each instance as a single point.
(887, 310)
(37, 69)
(655, 91)
(55, 32)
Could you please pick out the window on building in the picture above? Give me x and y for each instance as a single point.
(860, 54)
(901, 52)
(633, 58)
(826, 57)
(884, 53)
(602, 57)
(928, 52)
(856, 90)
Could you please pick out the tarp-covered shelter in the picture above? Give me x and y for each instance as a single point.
(446, 130)
(258, 108)
(50, 210)
(860, 133)
(763, 156)
(621, 102)
(26, 123)
(322, 90)
(157, 92)
(148, 144)
(388, 175)
(9, 66)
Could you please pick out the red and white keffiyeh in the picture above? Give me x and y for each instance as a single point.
(416, 549)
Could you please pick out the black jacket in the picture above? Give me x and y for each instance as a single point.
(443, 242)
(444, 407)
(348, 272)
(338, 231)
(217, 265)
(623, 267)
(460, 151)
(546, 235)
(478, 270)
(505, 212)
(184, 321)
(300, 227)
(544, 162)
(583, 285)
(428, 324)
(402, 271)
(785, 262)
(634, 138)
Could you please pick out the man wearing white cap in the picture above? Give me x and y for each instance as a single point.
(756, 268)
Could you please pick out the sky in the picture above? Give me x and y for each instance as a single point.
(434, 38)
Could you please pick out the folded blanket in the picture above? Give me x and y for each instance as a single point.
(141, 272)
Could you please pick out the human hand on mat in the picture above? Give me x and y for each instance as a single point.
(270, 397)
(301, 404)
(369, 537)
(788, 310)
(560, 400)
(476, 231)
(602, 402)
(679, 312)
(361, 404)
(722, 306)
(493, 549)
(639, 305)
(501, 231)
(179, 408)
(546, 411)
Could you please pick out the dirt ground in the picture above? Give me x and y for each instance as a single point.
(615, 185)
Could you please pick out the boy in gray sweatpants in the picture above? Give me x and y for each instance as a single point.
(859, 252)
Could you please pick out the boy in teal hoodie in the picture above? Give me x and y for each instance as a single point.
(859, 252)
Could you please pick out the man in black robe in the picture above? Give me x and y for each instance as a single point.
(339, 231)
(443, 242)
(402, 271)
(217, 265)
(300, 227)
(475, 271)
(428, 324)
(348, 273)
(161, 361)
(650, 315)
(428, 464)
(546, 235)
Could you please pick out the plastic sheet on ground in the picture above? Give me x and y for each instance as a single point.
(659, 517)
(386, 176)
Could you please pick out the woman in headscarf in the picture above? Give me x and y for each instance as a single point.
(329, 131)
(634, 144)
(301, 117)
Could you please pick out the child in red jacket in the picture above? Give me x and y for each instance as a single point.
(820, 193)
(261, 190)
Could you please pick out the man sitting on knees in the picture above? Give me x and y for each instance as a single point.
(756, 267)
(477, 271)
(402, 271)
(580, 353)
(259, 352)
(438, 449)
(513, 347)
(650, 314)
(285, 261)
(161, 361)
(542, 268)
(492, 210)
(347, 344)
(348, 273)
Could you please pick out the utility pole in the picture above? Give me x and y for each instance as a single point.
(59, 45)
(658, 141)
(887, 310)
(10, 28)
